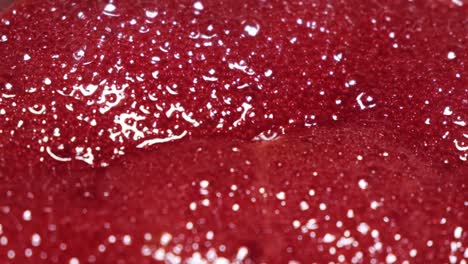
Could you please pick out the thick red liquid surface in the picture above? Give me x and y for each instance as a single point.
(233, 132)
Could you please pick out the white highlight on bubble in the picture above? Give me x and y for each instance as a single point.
(281, 196)
(338, 57)
(110, 8)
(198, 5)
(56, 157)
(328, 238)
(451, 55)
(447, 111)
(151, 13)
(362, 105)
(165, 239)
(153, 141)
(304, 206)
(457, 233)
(35, 240)
(363, 184)
(252, 30)
(27, 216)
(363, 228)
(242, 253)
(390, 258)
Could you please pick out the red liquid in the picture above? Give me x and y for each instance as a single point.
(262, 132)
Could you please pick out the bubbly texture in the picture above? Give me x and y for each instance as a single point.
(233, 131)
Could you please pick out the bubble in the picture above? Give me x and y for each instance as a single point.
(198, 5)
(451, 55)
(252, 29)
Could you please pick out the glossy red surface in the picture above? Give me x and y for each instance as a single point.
(244, 132)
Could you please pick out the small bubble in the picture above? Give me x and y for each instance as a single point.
(209, 235)
(281, 196)
(447, 111)
(252, 29)
(338, 57)
(36, 240)
(363, 184)
(74, 261)
(367, 103)
(112, 239)
(155, 59)
(165, 239)
(328, 238)
(204, 184)
(390, 258)
(198, 5)
(151, 13)
(296, 224)
(109, 8)
(81, 15)
(79, 54)
(451, 55)
(304, 206)
(458, 232)
(27, 215)
(242, 253)
(322, 206)
(127, 240)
